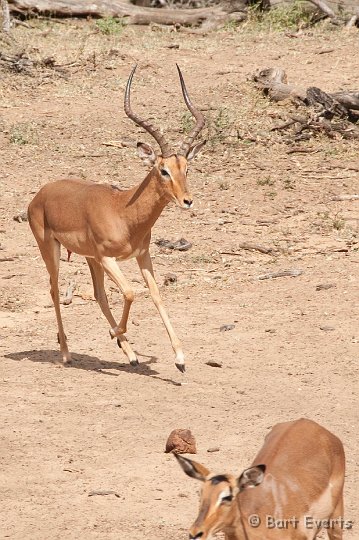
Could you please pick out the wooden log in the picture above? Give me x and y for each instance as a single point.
(354, 19)
(282, 273)
(324, 8)
(119, 8)
(274, 83)
(6, 22)
(349, 100)
(330, 106)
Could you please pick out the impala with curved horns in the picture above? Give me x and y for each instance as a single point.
(299, 472)
(105, 224)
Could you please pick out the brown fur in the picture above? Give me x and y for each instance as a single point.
(305, 466)
(105, 224)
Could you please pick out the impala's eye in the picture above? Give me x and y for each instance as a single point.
(165, 173)
(228, 498)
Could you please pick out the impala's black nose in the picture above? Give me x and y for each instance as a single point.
(187, 203)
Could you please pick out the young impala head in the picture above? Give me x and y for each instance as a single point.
(169, 167)
(218, 508)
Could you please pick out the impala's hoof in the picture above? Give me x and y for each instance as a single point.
(66, 359)
(134, 363)
(119, 343)
(181, 367)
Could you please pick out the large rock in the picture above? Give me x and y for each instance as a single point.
(181, 441)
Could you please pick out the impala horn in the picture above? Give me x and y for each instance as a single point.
(156, 134)
(200, 120)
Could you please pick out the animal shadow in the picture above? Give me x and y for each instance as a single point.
(91, 363)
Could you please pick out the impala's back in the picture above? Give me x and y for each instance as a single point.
(304, 478)
(292, 489)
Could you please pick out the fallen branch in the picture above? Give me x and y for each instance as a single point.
(274, 83)
(300, 150)
(283, 126)
(103, 492)
(345, 198)
(121, 8)
(6, 22)
(338, 106)
(281, 273)
(123, 143)
(251, 247)
(349, 100)
(324, 8)
(353, 20)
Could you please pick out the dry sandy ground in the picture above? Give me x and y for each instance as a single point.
(100, 424)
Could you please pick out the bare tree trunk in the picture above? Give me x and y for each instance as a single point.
(324, 8)
(120, 8)
(353, 20)
(273, 82)
(332, 114)
(6, 23)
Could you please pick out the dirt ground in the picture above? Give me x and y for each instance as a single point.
(101, 424)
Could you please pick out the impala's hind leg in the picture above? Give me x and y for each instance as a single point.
(335, 531)
(97, 274)
(50, 251)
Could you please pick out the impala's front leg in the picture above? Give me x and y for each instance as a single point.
(145, 264)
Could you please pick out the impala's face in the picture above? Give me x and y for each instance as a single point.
(218, 508)
(171, 172)
(216, 511)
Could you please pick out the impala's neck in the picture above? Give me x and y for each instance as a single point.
(235, 530)
(147, 201)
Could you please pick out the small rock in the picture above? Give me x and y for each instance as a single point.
(227, 327)
(181, 245)
(214, 364)
(21, 217)
(181, 441)
(324, 286)
(327, 328)
(214, 449)
(170, 279)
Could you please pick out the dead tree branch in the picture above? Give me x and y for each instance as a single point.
(324, 8)
(354, 19)
(122, 8)
(338, 106)
(6, 22)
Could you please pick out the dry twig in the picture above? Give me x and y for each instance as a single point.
(282, 273)
(251, 247)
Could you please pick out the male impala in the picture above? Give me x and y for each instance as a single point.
(299, 472)
(105, 224)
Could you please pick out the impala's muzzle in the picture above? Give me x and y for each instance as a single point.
(187, 202)
(197, 535)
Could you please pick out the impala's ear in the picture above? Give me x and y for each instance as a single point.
(146, 153)
(193, 151)
(192, 468)
(251, 477)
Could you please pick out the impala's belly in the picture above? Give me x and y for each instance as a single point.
(75, 242)
(131, 254)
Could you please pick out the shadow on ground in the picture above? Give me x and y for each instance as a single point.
(91, 363)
